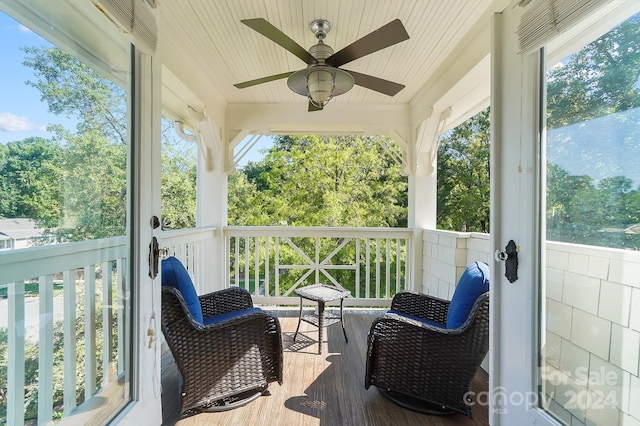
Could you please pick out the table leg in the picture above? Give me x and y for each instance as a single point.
(342, 322)
(299, 321)
(320, 325)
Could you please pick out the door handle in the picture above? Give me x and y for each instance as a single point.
(154, 257)
(510, 258)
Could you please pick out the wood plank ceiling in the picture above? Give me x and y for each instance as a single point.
(204, 41)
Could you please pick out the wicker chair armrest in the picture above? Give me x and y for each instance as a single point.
(224, 301)
(233, 321)
(421, 305)
(411, 322)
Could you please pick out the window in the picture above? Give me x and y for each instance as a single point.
(590, 341)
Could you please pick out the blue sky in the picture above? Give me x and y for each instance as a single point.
(22, 114)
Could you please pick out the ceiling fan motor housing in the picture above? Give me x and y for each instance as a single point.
(320, 27)
(321, 51)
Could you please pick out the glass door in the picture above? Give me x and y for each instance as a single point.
(590, 300)
(66, 179)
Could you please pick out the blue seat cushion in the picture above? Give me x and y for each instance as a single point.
(229, 315)
(422, 320)
(175, 275)
(472, 284)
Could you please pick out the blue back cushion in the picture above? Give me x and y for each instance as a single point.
(473, 283)
(175, 275)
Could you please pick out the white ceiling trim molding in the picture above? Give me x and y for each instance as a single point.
(334, 119)
(467, 66)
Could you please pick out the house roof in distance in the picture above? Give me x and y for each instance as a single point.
(19, 228)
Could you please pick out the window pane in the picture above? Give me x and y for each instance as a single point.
(65, 269)
(591, 333)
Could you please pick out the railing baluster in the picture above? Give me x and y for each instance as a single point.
(247, 250)
(45, 350)
(266, 266)
(377, 268)
(317, 260)
(237, 261)
(408, 284)
(15, 358)
(387, 277)
(398, 265)
(277, 265)
(107, 321)
(89, 331)
(357, 289)
(121, 295)
(69, 329)
(256, 265)
(367, 283)
(127, 320)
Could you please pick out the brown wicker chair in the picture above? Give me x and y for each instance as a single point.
(419, 362)
(228, 358)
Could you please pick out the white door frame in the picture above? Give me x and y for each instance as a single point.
(146, 407)
(514, 216)
(517, 208)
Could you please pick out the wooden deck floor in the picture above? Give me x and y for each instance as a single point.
(325, 389)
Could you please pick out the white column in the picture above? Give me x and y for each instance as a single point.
(422, 214)
(423, 194)
(212, 209)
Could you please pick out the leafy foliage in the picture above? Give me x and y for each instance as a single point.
(75, 183)
(320, 181)
(463, 176)
(178, 184)
(75, 90)
(600, 79)
(30, 180)
(592, 99)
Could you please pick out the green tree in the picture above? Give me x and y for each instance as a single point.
(600, 79)
(94, 187)
(178, 184)
(321, 181)
(90, 196)
(463, 176)
(30, 176)
(72, 89)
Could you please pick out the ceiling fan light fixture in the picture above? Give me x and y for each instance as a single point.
(320, 83)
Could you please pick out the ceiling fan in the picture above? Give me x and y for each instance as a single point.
(323, 78)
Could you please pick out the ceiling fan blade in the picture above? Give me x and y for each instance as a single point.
(263, 80)
(374, 83)
(312, 107)
(272, 33)
(383, 37)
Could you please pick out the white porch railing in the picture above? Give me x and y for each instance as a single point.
(271, 262)
(45, 288)
(190, 246)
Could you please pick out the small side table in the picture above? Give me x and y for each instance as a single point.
(321, 293)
